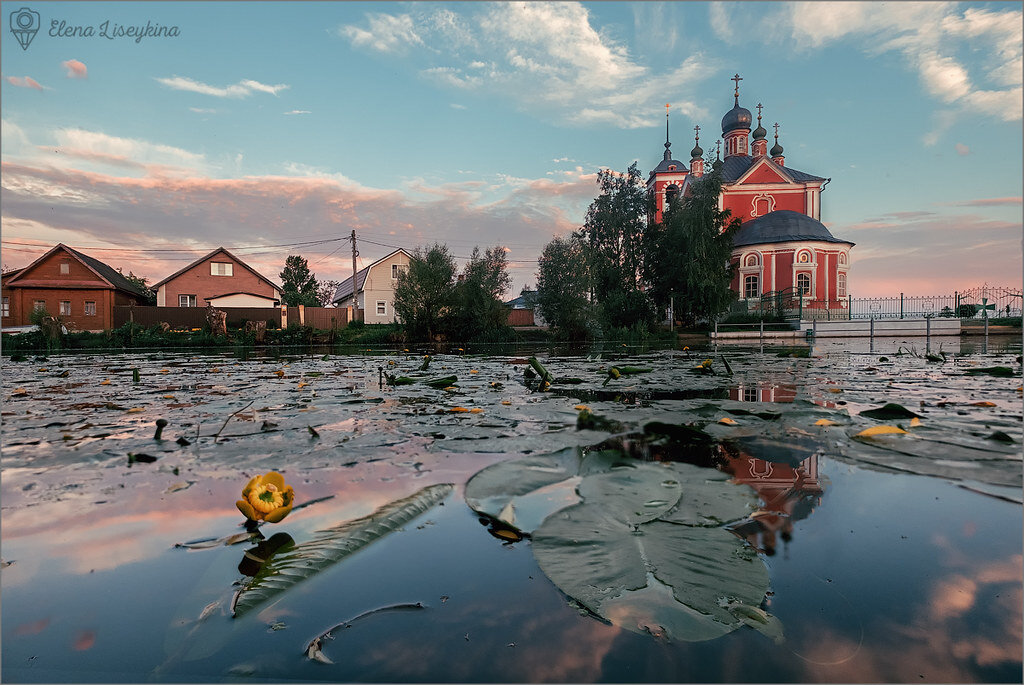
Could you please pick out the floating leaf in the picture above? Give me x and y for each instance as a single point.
(983, 404)
(888, 412)
(632, 491)
(331, 545)
(880, 430)
(1002, 371)
(826, 422)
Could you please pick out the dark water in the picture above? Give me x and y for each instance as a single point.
(876, 574)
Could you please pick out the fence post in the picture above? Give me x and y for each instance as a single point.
(302, 315)
(872, 326)
(901, 305)
(762, 330)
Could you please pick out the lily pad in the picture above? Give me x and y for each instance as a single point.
(889, 411)
(633, 492)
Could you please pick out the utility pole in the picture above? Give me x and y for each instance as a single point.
(354, 308)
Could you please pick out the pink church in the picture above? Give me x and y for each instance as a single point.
(782, 246)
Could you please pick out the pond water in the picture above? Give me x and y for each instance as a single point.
(697, 521)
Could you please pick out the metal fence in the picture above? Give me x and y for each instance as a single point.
(976, 303)
(195, 317)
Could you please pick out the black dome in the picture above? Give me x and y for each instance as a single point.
(737, 117)
(782, 226)
(776, 149)
(760, 133)
(696, 153)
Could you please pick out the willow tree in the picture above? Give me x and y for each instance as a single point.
(689, 254)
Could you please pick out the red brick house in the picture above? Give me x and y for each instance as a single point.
(79, 289)
(218, 279)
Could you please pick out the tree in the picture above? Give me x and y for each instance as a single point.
(614, 240)
(563, 288)
(424, 292)
(477, 297)
(143, 285)
(299, 285)
(325, 292)
(688, 256)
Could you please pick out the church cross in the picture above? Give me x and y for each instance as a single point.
(759, 105)
(776, 131)
(737, 79)
(696, 133)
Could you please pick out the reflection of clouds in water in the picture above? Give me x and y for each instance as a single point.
(942, 637)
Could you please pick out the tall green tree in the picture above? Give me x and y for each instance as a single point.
(478, 307)
(563, 289)
(298, 283)
(424, 293)
(614, 240)
(689, 253)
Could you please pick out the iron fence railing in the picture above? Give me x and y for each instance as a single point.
(975, 303)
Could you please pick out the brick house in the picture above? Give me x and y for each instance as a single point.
(79, 289)
(219, 279)
(375, 287)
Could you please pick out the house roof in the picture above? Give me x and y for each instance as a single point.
(734, 167)
(207, 256)
(783, 226)
(109, 274)
(240, 292)
(345, 287)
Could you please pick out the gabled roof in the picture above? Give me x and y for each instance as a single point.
(211, 254)
(112, 276)
(733, 168)
(345, 287)
(782, 226)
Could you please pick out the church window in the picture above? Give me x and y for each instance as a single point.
(841, 285)
(762, 204)
(671, 193)
(803, 257)
(803, 283)
(842, 258)
(750, 260)
(751, 286)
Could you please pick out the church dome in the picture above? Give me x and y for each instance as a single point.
(783, 226)
(776, 149)
(696, 153)
(759, 132)
(736, 118)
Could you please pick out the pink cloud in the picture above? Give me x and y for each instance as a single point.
(990, 202)
(24, 82)
(75, 69)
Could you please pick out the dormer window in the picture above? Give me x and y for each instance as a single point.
(672, 167)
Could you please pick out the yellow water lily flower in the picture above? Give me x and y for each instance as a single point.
(915, 422)
(266, 498)
(825, 422)
(727, 421)
(880, 430)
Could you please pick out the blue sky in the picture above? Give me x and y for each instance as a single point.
(262, 125)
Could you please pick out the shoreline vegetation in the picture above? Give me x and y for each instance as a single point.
(359, 336)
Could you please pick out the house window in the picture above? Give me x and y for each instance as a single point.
(90, 308)
(382, 308)
(7, 306)
(220, 269)
(803, 284)
(841, 285)
(39, 306)
(65, 268)
(751, 286)
(65, 307)
(397, 269)
(186, 300)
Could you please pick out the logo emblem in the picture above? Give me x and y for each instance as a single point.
(24, 26)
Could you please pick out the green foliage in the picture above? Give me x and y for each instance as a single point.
(615, 247)
(298, 284)
(325, 291)
(36, 316)
(478, 311)
(563, 288)
(425, 291)
(688, 255)
(142, 284)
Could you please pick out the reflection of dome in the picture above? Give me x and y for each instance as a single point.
(782, 226)
(736, 118)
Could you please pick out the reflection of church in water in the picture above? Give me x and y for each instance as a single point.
(782, 246)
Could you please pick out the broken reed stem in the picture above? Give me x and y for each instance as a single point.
(217, 434)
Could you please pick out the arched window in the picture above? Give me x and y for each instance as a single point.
(751, 286)
(841, 285)
(803, 257)
(842, 258)
(750, 260)
(671, 193)
(803, 283)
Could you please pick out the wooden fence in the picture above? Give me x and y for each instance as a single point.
(195, 317)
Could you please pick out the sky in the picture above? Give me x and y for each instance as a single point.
(148, 134)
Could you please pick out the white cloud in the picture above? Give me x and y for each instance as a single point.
(456, 105)
(299, 111)
(970, 58)
(386, 33)
(552, 61)
(243, 88)
(141, 151)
